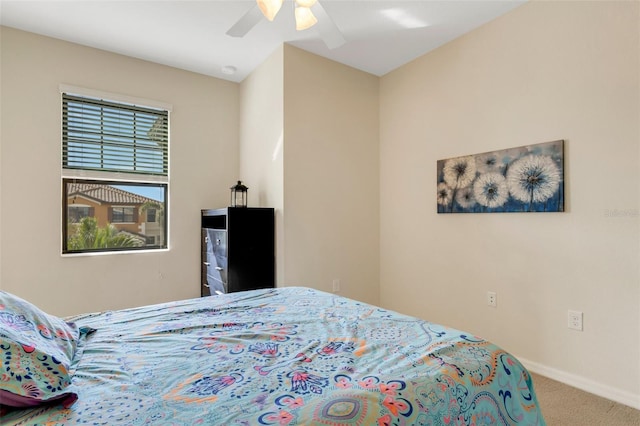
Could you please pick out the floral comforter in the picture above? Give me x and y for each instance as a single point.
(286, 356)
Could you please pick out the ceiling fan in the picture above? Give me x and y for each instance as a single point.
(305, 14)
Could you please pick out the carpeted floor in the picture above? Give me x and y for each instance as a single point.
(564, 405)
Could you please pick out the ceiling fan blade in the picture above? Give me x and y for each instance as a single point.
(329, 31)
(246, 23)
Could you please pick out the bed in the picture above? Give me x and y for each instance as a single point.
(283, 356)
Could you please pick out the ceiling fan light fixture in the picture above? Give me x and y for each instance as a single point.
(269, 8)
(306, 3)
(304, 18)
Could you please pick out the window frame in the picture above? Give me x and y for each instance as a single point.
(65, 217)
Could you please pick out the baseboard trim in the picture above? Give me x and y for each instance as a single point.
(605, 391)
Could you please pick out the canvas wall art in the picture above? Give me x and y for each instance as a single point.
(523, 179)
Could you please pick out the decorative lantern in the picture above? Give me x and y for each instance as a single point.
(239, 195)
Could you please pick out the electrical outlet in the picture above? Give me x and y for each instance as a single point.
(336, 285)
(575, 320)
(492, 299)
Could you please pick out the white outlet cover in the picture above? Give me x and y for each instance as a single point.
(492, 299)
(575, 320)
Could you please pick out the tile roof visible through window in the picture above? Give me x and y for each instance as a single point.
(106, 194)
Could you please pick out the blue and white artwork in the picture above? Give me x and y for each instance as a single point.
(524, 179)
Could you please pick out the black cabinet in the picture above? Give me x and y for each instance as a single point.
(238, 249)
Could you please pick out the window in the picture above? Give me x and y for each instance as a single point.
(115, 175)
(122, 214)
(77, 212)
(151, 215)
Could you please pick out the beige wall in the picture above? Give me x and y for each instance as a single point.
(309, 145)
(546, 71)
(331, 178)
(333, 170)
(261, 143)
(204, 164)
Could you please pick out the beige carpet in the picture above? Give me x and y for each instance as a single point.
(563, 405)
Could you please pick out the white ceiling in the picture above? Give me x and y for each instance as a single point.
(381, 35)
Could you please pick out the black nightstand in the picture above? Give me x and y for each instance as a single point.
(238, 249)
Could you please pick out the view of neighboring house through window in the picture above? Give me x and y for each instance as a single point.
(115, 175)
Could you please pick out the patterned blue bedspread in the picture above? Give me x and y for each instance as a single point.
(286, 356)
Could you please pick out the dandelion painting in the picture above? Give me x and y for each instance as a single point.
(524, 179)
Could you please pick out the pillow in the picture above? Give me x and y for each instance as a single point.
(36, 351)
